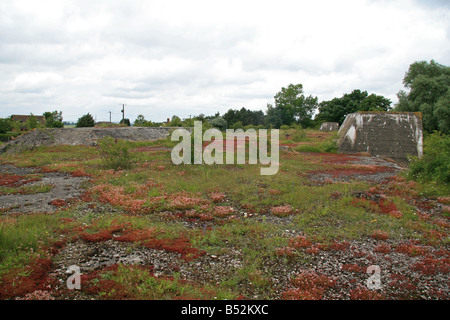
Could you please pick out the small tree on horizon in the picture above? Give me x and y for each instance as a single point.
(85, 121)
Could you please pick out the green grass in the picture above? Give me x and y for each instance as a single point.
(317, 212)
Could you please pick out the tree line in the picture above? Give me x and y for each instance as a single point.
(427, 91)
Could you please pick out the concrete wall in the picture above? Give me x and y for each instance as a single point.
(392, 135)
(83, 136)
(329, 126)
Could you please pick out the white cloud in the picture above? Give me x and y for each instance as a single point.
(189, 57)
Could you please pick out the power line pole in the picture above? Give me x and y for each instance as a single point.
(123, 113)
(109, 116)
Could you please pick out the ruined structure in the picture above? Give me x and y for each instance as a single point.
(83, 136)
(394, 135)
(329, 126)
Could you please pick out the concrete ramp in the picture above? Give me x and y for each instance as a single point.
(394, 135)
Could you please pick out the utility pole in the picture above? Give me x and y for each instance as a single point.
(109, 116)
(123, 113)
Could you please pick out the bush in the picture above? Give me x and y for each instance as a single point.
(5, 125)
(115, 154)
(86, 121)
(435, 163)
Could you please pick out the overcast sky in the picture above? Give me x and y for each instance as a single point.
(188, 57)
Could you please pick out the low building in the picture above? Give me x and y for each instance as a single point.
(22, 120)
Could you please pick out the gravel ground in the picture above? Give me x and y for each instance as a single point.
(65, 187)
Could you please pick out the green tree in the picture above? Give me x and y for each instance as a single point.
(53, 119)
(140, 121)
(85, 121)
(428, 84)
(32, 122)
(337, 109)
(176, 121)
(219, 123)
(5, 125)
(293, 106)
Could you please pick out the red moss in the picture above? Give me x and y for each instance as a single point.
(58, 203)
(282, 211)
(362, 293)
(380, 235)
(411, 249)
(309, 286)
(383, 248)
(300, 242)
(148, 238)
(79, 173)
(217, 196)
(94, 283)
(102, 235)
(353, 268)
(21, 281)
(431, 266)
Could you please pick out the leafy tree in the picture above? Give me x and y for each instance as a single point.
(337, 109)
(32, 122)
(244, 117)
(291, 106)
(428, 85)
(219, 123)
(140, 121)
(53, 119)
(85, 121)
(294, 106)
(5, 125)
(176, 121)
(434, 165)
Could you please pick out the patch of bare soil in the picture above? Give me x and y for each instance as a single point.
(64, 187)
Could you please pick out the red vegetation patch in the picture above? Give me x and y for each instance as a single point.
(102, 235)
(309, 286)
(22, 281)
(300, 242)
(355, 170)
(79, 173)
(147, 238)
(362, 293)
(431, 266)
(217, 196)
(380, 235)
(95, 283)
(13, 180)
(222, 211)
(184, 201)
(381, 205)
(58, 203)
(411, 249)
(353, 268)
(282, 211)
(383, 248)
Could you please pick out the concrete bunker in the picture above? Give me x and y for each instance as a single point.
(394, 135)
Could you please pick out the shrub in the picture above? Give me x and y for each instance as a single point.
(435, 164)
(86, 121)
(115, 154)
